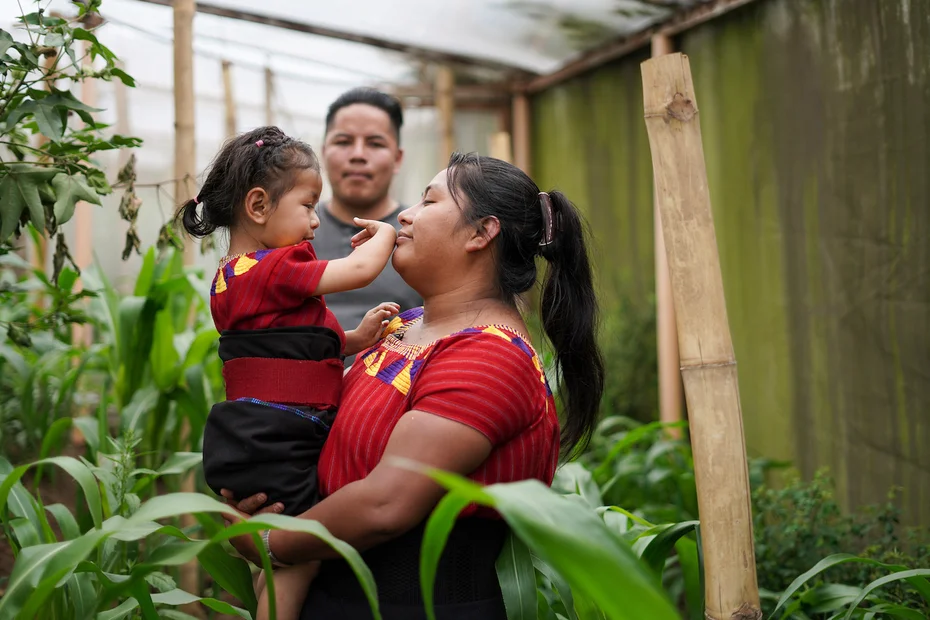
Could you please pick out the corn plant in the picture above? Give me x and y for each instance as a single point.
(159, 349)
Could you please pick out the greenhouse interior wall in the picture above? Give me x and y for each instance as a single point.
(816, 127)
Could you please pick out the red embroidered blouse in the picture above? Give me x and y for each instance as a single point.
(271, 288)
(487, 378)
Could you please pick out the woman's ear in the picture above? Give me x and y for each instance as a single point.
(257, 205)
(486, 231)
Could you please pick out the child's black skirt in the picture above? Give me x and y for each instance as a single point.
(283, 388)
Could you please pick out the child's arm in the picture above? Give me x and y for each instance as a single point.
(359, 269)
(369, 330)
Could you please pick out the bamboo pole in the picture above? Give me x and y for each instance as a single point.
(185, 172)
(229, 99)
(445, 106)
(707, 360)
(521, 132)
(83, 211)
(269, 96)
(499, 146)
(669, 363)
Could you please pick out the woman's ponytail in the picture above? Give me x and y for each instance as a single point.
(569, 315)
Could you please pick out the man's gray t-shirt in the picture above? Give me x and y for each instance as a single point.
(332, 241)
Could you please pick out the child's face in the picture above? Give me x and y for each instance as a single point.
(294, 219)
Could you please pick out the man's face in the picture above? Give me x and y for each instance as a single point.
(361, 155)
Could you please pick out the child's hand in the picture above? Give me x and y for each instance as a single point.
(371, 228)
(369, 330)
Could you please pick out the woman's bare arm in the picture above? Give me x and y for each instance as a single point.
(391, 500)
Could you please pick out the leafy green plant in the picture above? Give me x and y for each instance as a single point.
(115, 564)
(40, 185)
(565, 557)
(801, 525)
(628, 341)
(159, 348)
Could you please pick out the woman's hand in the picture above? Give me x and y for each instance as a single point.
(245, 544)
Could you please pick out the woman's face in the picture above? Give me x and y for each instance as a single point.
(431, 244)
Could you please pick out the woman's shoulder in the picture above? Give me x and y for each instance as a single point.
(500, 348)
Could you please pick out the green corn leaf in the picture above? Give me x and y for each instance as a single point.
(78, 470)
(436, 534)
(230, 573)
(66, 521)
(599, 566)
(558, 582)
(659, 548)
(517, 577)
(906, 575)
(829, 597)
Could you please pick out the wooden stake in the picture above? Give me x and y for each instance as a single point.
(669, 363)
(185, 172)
(707, 358)
(521, 132)
(230, 99)
(445, 106)
(499, 146)
(83, 212)
(269, 96)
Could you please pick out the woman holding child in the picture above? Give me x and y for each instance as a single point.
(454, 385)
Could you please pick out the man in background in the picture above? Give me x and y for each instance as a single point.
(361, 153)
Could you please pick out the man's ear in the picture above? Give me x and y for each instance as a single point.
(485, 232)
(398, 160)
(257, 205)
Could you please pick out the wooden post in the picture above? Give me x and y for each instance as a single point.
(669, 363)
(83, 211)
(445, 107)
(40, 249)
(707, 360)
(230, 99)
(185, 172)
(269, 96)
(499, 146)
(521, 132)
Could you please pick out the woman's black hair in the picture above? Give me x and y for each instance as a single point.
(265, 157)
(569, 311)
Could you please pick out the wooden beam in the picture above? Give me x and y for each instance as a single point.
(493, 91)
(521, 132)
(185, 160)
(269, 96)
(445, 108)
(343, 35)
(679, 21)
(499, 146)
(708, 363)
(185, 172)
(229, 99)
(669, 362)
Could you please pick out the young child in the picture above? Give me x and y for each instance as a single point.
(281, 347)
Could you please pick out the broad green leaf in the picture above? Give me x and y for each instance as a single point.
(918, 583)
(6, 40)
(14, 197)
(20, 501)
(906, 575)
(599, 565)
(561, 586)
(26, 534)
(829, 597)
(201, 346)
(123, 610)
(53, 440)
(893, 611)
(435, 535)
(576, 478)
(517, 578)
(66, 521)
(164, 357)
(124, 77)
(69, 189)
(691, 572)
(179, 597)
(658, 550)
(75, 468)
(82, 595)
(50, 120)
(27, 571)
(146, 273)
(180, 462)
(90, 429)
(230, 573)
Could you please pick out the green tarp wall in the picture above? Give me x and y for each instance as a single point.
(816, 125)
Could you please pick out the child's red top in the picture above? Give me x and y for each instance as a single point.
(271, 288)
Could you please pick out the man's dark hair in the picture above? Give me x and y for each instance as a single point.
(372, 97)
